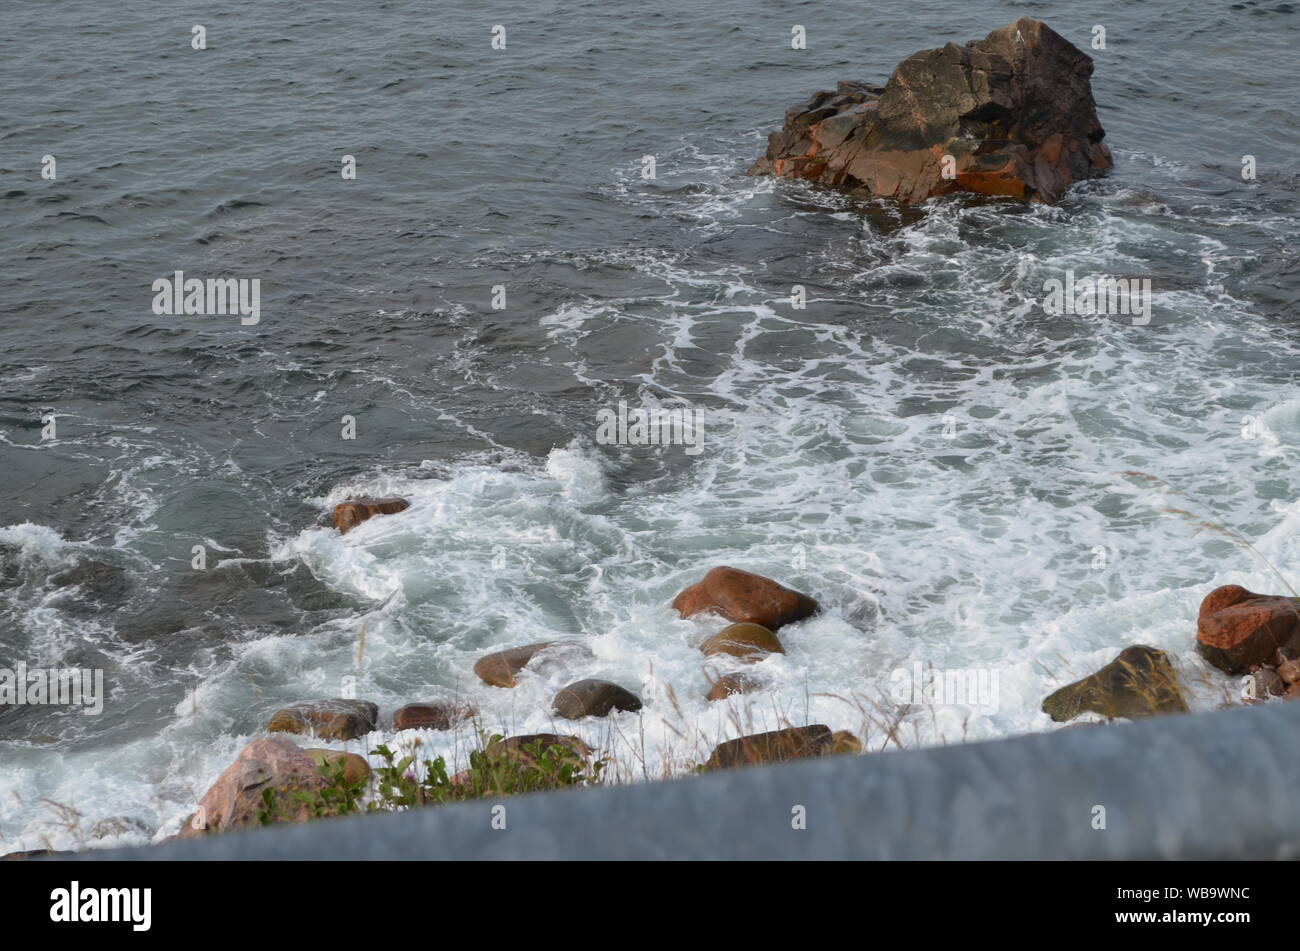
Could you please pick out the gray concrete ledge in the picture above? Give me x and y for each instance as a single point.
(1217, 785)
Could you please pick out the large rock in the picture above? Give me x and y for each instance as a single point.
(236, 798)
(1237, 628)
(355, 768)
(353, 512)
(522, 750)
(1014, 111)
(327, 719)
(593, 698)
(438, 715)
(800, 742)
(1139, 682)
(744, 597)
(749, 642)
(499, 669)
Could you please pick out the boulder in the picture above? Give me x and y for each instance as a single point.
(521, 749)
(749, 642)
(729, 684)
(1011, 114)
(744, 597)
(800, 742)
(593, 698)
(1139, 682)
(1288, 666)
(437, 715)
(236, 798)
(499, 669)
(843, 742)
(1237, 628)
(353, 512)
(327, 719)
(355, 768)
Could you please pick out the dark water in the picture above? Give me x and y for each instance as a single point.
(522, 167)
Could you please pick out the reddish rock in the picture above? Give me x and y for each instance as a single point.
(729, 684)
(1139, 682)
(499, 669)
(432, 716)
(1288, 668)
(1238, 628)
(1014, 111)
(523, 749)
(800, 742)
(593, 698)
(236, 798)
(327, 719)
(744, 597)
(749, 642)
(353, 512)
(1292, 692)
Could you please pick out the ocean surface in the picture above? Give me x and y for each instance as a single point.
(964, 481)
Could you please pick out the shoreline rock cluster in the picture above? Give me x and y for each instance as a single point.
(1009, 115)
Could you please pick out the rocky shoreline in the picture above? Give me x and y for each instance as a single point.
(1252, 637)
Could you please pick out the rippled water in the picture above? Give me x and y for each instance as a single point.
(946, 467)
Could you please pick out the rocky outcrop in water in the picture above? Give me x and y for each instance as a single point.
(777, 746)
(327, 719)
(500, 668)
(355, 767)
(1237, 628)
(748, 642)
(353, 512)
(593, 698)
(1011, 114)
(1140, 682)
(432, 716)
(744, 597)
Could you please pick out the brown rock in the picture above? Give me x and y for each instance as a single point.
(1289, 671)
(432, 716)
(800, 742)
(236, 798)
(328, 719)
(1267, 683)
(593, 698)
(1237, 628)
(1014, 112)
(844, 742)
(729, 684)
(1139, 682)
(355, 768)
(523, 749)
(499, 669)
(749, 642)
(1292, 692)
(350, 514)
(744, 597)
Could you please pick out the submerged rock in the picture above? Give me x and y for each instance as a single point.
(1011, 114)
(328, 719)
(593, 698)
(432, 716)
(498, 669)
(353, 512)
(1237, 628)
(236, 798)
(729, 684)
(1139, 682)
(800, 742)
(744, 598)
(749, 642)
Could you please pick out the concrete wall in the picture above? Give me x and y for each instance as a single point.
(1213, 785)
